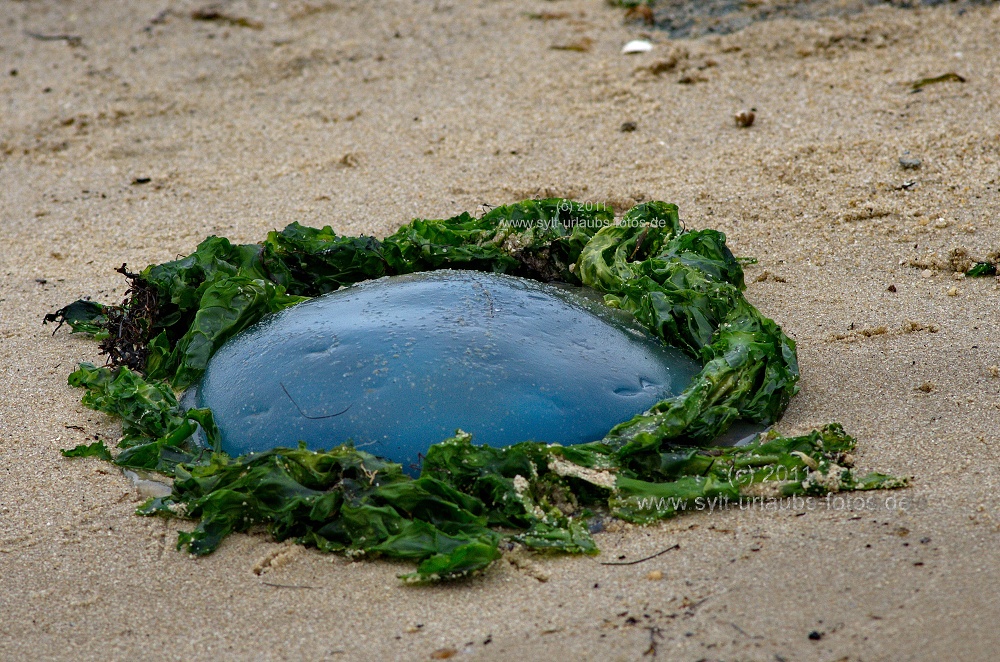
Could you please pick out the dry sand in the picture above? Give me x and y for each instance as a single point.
(363, 115)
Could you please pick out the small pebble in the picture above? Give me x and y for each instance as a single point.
(628, 127)
(654, 575)
(953, 292)
(815, 636)
(891, 288)
(909, 163)
(744, 118)
(926, 273)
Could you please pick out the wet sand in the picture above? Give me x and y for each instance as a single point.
(365, 115)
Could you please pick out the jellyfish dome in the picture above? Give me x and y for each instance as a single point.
(397, 364)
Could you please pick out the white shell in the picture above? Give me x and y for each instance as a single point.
(146, 487)
(637, 46)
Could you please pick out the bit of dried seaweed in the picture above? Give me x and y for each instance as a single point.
(950, 77)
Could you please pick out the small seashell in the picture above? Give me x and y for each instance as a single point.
(637, 46)
(145, 487)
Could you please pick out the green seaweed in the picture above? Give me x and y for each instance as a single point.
(981, 270)
(96, 449)
(684, 286)
(83, 316)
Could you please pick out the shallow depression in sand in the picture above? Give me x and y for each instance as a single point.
(397, 364)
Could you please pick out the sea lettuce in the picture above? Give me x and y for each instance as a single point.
(684, 286)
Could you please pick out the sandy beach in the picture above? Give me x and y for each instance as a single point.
(131, 131)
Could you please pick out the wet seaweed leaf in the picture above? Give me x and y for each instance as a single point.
(982, 269)
(309, 262)
(814, 464)
(148, 409)
(96, 449)
(156, 432)
(83, 316)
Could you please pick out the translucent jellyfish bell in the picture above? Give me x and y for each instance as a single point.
(397, 364)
